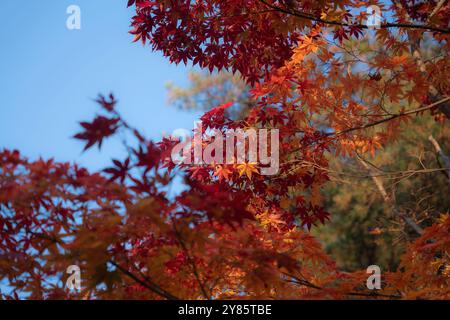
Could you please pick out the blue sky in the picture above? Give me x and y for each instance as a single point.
(49, 74)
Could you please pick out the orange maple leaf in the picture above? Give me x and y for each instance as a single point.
(222, 172)
(247, 168)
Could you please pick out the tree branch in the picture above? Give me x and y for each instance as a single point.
(442, 155)
(306, 283)
(372, 124)
(311, 17)
(390, 201)
(151, 286)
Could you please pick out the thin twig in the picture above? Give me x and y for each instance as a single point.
(308, 284)
(151, 286)
(372, 124)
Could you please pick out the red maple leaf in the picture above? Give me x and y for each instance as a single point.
(97, 130)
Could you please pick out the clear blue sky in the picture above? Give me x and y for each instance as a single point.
(49, 74)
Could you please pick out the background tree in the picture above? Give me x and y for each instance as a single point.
(208, 90)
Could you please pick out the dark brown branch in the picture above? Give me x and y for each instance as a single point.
(389, 200)
(306, 283)
(372, 124)
(311, 17)
(440, 153)
(151, 286)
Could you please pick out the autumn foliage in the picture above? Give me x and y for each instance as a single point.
(330, 86)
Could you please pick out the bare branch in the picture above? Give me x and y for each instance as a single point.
(151, 286)
(390, 201)
(395, 116)
(445, 159)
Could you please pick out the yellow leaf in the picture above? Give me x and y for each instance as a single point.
(247, 168)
